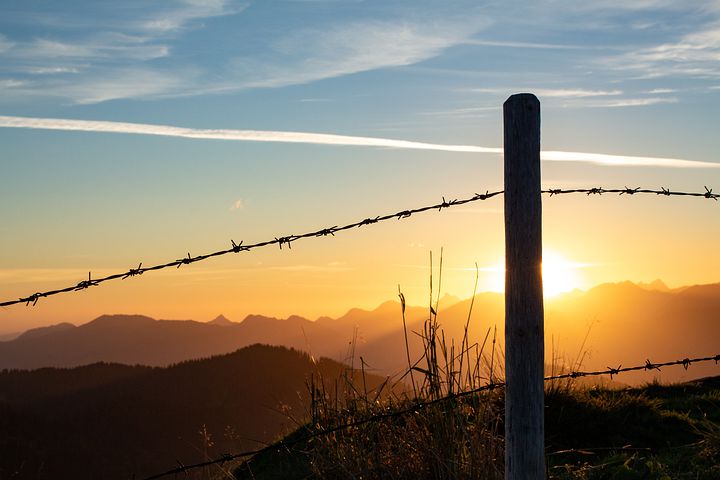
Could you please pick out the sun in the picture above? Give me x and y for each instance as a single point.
(560, 275)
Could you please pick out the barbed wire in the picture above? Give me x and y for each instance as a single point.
(685, 362)
(287, 240)
(708, 193)
(285, 444)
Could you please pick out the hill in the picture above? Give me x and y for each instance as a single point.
(623, 323)
(115, 421)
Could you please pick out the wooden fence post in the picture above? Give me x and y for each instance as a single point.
(524, 318)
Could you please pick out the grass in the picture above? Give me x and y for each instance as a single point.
(651, 432)
(655, 432)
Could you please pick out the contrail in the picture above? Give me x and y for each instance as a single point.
(328, 139)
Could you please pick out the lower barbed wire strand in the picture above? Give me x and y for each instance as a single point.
(419, 406)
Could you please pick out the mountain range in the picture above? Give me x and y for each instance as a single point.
(611, 324)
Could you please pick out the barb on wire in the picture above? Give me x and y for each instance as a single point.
(237, 247)
(280, 241)
(651, 366)
(184, 261)
(133, 272)
(284, 444)
(34, 298)
(86, 283)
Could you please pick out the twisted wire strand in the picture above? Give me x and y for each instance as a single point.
(331, 231)
(242, 247)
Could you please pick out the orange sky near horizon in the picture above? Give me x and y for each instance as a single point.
(588, 240)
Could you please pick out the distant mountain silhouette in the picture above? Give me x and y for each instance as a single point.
(41, 331)
(137, 339)
(222, 321)
(627, 323)
(118, 421)
(623, 323)
(6, 337)
(658, 285)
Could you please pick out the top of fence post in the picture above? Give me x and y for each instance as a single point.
(524, 329)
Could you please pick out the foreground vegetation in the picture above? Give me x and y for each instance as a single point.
(654, 432)
(593, 432)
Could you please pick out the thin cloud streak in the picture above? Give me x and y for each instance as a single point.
(624, 160)
(544, 46)
(554, 92)
(237, 135)
(631, 102)
(329, 139)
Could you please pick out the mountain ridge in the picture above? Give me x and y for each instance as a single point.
(668, 323)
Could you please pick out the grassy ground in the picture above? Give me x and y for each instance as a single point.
(653, 432)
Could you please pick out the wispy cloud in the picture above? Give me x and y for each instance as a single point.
(553, 92)
(7, 83)
(179, 15)
(576, 93)
(584, 98)
(313, 54)
(695, 55)
(505, 44)
(117, 84)
(330, 139)
(239, 204)
(294, 56)
(52, 70)
(105, 53)
(660, 91)
(629, 102)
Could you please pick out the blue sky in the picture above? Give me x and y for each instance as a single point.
(421, 69)
(629, 79)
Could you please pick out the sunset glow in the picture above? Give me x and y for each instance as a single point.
(560, 275)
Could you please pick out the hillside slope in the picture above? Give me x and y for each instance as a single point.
(113, 421)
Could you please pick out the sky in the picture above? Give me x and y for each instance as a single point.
(143, 131)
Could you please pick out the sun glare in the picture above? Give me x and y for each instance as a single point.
(559, 275)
